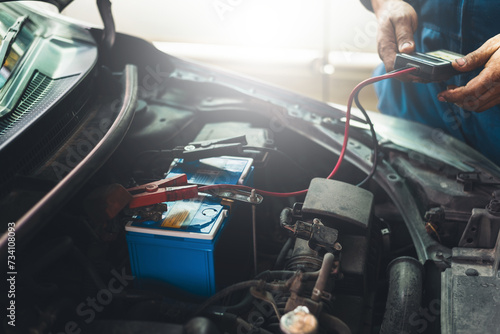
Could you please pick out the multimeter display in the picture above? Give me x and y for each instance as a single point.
(432, 66)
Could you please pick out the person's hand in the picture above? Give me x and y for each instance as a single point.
(397, 22)
(483, 91)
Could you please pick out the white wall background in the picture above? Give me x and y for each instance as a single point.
(320, 48)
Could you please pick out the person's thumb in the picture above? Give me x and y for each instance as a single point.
(476, 58)
(404, 30)
(406, 43)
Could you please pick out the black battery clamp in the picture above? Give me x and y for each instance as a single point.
(431, 66)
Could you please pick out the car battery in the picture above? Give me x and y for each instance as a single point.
(177, 252)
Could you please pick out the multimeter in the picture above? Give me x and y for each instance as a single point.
(432, 66)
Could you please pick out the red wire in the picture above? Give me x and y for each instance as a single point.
(356, 89)
(261, 192)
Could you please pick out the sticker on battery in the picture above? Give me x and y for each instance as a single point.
(176, 220)
(179, 214)
(236, 166)
(204, 177)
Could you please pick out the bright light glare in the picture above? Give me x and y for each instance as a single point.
(271, 25)
(278, 23)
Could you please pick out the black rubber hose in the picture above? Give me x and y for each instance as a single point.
(283, 253)
(243, 305)
(286, 216)
(109, 31)
(404, 297)
(333, 324)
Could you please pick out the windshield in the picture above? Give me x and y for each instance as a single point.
(18, 47)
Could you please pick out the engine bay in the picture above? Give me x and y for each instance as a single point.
(214, 214)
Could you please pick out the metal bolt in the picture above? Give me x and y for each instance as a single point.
(494, 206)
(253, 196)
(471, 272)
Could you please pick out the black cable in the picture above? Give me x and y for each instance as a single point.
(406, 69)
(374, 138)
(109, 31)
(455, 116)
(283, 154)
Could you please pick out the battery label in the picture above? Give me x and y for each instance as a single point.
(204, 177)
(176, 220)
(179, 215)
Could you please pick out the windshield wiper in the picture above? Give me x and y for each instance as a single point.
(10, 37)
